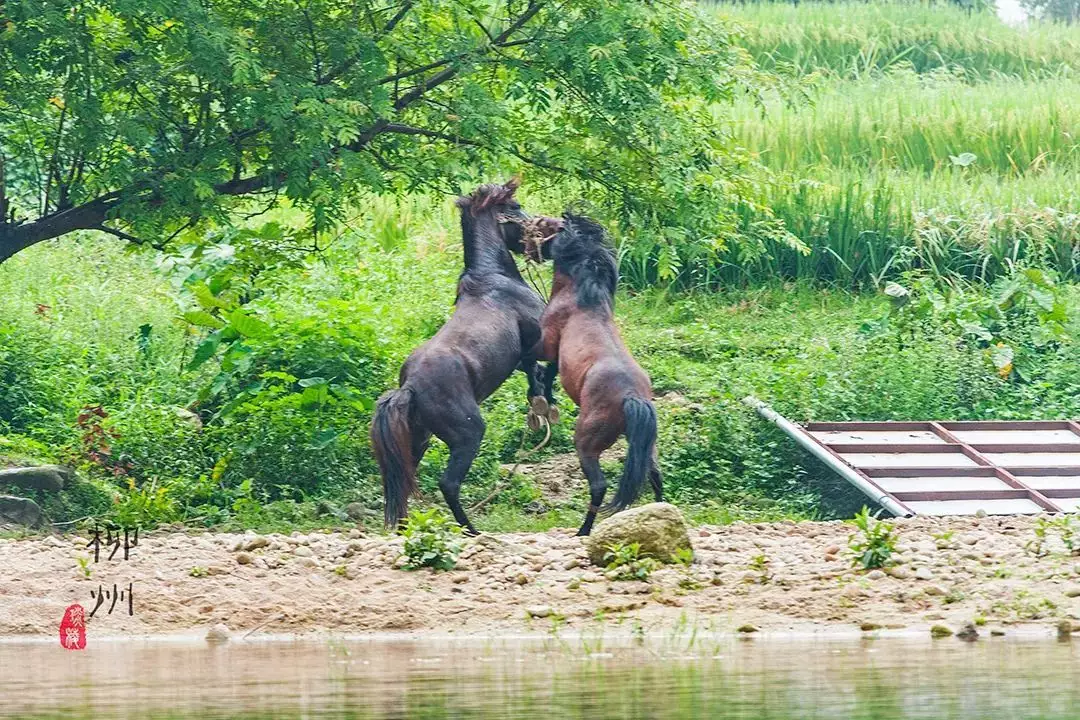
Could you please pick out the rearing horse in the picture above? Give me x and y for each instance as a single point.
(580, 341)
(492, 332)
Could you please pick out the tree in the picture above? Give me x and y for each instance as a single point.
(148, 118)
(1067, 11)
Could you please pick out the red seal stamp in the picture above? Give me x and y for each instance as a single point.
(73, 628)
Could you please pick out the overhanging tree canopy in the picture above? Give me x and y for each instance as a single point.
(142, 118)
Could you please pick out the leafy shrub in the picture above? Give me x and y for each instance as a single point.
(431, 540)
(624, 562)
(875, 546)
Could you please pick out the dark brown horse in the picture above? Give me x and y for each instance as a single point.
(581, 342)
(492, 332)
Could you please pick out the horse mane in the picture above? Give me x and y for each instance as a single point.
(488, 195)
(582, 251)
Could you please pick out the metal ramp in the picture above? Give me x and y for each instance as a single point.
(950, 468)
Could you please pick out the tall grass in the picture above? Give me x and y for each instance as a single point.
(921, 123)
(851, 40)
(935, 139)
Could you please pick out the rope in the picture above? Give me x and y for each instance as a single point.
(500, 485)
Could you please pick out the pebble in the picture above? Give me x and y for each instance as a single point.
(832, 550)
(875, 575)
(218, 633)
(244, 558)
(302, 551)
(1073, 592)
(256, 542)
(924, 573)
(539, 611)
(899, 572)
(935, 590)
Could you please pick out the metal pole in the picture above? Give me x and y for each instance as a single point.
(804, 439)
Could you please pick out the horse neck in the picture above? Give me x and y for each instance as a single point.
(485, 251)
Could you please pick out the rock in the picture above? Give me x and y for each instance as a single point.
(303, 551)
(309, 561)
(256, 542)
(968, 633)
(658, 527)
(747, 628)
(1065, 630)
(539, 611)
(189, 417)
(355, 511)
(869, 627)
(244, 558)
(969, 539)
(17, 511)
(218, 633)
(875, 575)
(832, 550)
(1073, 592)
(997, 632)
(572, 563)
(940, 631)
(924, 573)
(935, 590)
(899, 572)
(704, 533)
(45, 477)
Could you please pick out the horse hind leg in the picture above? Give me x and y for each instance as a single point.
(464, 442)
(657, 483)
(590, 465)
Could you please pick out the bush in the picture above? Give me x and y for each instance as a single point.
(626, 563)
(431, 540)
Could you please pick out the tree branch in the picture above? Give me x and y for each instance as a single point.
(347, 65)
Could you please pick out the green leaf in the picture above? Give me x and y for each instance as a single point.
(204, 319)
(206, 350)
(249, 326)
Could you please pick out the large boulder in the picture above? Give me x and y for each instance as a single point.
(658, 528)
(17, 511)
(45, 477)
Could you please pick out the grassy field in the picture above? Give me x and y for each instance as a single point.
(871, 174)
(929, 139)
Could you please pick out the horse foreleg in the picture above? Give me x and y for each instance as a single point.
(550, 373)
(590, 465)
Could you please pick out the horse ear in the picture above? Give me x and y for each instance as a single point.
(513, 184)
(463, 202)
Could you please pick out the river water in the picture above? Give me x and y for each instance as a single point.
(586, 677)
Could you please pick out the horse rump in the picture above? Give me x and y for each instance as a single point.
(391, 438)
(640, 418)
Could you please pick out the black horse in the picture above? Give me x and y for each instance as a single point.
(494, 328)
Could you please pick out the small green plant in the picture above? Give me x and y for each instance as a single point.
(953, 596)
(980, 620)
(341, 571)
(1067, 530)
(1037, 545)
(760, 565)
(84, 565)
(198, 572)
(626, 563)
(684, 557)
(431, 540)
(874, 543)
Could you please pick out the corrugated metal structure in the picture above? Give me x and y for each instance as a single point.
(951, 468)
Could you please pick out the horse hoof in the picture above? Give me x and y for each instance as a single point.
(534, 421)
(553, 415)
(539, 405)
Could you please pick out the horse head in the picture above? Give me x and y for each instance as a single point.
(497, 200)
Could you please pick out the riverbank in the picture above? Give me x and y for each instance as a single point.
(751, 577)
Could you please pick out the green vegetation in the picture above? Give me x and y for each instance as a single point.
(432, 539)
(900, 244)
(876, 544)
(625, 562)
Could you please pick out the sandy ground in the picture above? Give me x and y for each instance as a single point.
(776, 577)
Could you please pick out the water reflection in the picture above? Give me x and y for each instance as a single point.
(580, 679)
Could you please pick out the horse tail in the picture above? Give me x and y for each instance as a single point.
(391, 438)
(641, 435)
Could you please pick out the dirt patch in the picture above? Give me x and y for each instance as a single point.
(769, 576)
